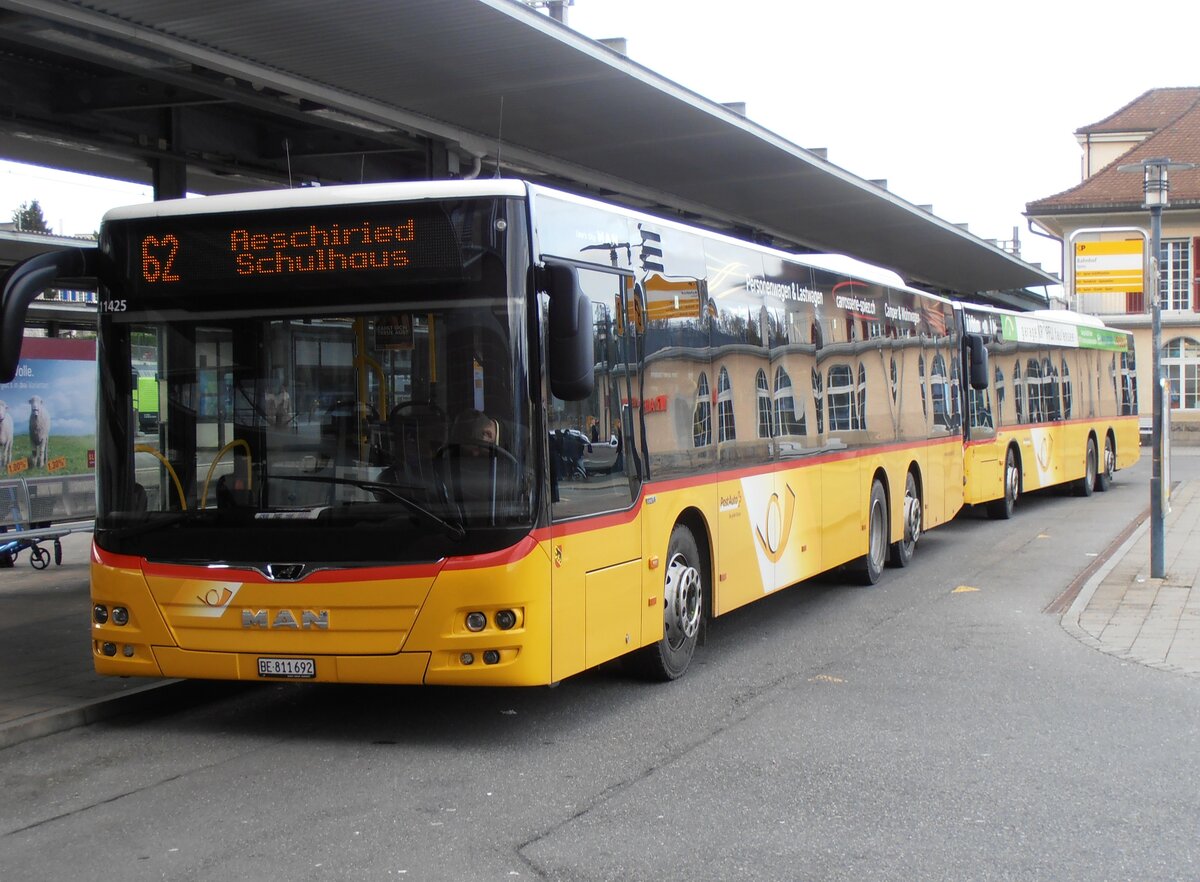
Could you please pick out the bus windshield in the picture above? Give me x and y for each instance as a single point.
(321, 417)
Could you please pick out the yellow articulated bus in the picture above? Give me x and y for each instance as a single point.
(488, 433)
(1060, 406)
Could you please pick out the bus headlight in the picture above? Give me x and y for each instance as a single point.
(99, 613)
(120, 615)
(506, 619)
(476, 621)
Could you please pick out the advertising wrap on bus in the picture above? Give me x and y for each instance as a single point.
(48, 434)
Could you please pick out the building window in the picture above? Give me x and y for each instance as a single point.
(1066, 389)
(702, 415)
(939, 386)
(1050, 391)
(999, 394)
(1033, 388)
(785, 406)
(1175, 274)
(921, 378)
(726, 431)
(1181, 367)
(819, 399)
(862, 396)
(1018, 393)
(1129, 404)
(843, 399)
(763, 395)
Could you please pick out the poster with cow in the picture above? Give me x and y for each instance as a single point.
(48, 411)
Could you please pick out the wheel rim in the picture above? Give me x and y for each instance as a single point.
(912, 515)
(1091, 464)
(682, 601)
(878, 539)
(1011, 481)
(1110, 459)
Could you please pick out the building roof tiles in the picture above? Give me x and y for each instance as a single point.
(1176, 137)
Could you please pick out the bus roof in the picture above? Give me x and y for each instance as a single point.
(307, 197)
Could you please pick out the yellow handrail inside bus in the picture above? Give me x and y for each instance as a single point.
(142, 448)
(236, 442)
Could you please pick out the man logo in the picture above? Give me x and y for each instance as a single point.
(285, 572)
(285, 619)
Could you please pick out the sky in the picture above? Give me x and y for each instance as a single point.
(971, 108)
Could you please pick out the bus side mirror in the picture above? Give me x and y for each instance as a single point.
(571, 357)
(22, 284)
(977, 362)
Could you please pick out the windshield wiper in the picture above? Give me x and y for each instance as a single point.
(454, 531)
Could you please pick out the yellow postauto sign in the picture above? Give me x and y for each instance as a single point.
(1109, 267)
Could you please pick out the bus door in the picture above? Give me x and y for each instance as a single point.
(984, 457)
(594, 483)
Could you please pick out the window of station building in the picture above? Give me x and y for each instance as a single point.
(786, 417)
(862, 396)
(1175, 269)
(1181, 367)
(843, 399)
(1050, 399)
(1033, 386)
(726, 430)
(818, 387)
(1018, 391)
(999, 394)
(921, 377)
(1066, 389)
(939, 387)
(702, 414)
(1129, 402)
(763, 396)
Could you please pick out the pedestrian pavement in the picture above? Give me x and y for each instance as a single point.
(1123, 611)
(47, 682)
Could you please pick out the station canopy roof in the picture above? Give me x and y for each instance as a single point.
(228, 95)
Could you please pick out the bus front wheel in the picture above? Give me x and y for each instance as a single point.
(1085, 485)
(684, 593)
(1002, 509)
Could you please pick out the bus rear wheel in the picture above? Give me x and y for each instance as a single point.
(870, 565)
(1104, 477)
(1085, 485)
(902, 551)
(684, 591)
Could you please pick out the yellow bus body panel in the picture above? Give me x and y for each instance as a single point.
(377, 629)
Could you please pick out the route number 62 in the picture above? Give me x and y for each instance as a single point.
(158, 258)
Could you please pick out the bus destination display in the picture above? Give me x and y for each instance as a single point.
(265, 251)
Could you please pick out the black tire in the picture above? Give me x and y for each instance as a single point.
(870, 565)
(1002, 509)
(902, 550)
(57, 553)
(685, 593)
(39, 558)
(1104, 476)
(1085, 485)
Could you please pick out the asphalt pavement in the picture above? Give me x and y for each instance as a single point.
(49, 684)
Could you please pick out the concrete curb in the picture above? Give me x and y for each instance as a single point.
(1070, 619)
(87, 712)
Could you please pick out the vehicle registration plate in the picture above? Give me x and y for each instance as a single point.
(292, 668)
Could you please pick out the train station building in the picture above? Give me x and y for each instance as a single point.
(1107, 205)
